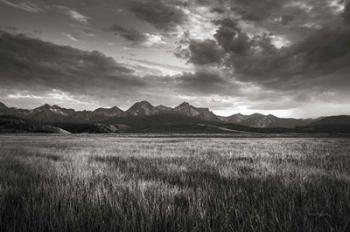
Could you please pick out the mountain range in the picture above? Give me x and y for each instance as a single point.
(144, 117)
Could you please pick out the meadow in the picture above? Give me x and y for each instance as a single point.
(144, 183)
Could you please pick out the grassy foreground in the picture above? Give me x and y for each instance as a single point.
(101, 183)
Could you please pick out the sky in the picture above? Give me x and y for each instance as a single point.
(290, 58)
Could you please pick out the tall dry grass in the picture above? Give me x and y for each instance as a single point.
(105, 183)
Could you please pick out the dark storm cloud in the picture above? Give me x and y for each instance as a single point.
(128, 34)
(164, 15)
(318, 59)
(231, 41)
(230, 37)
(321, 61)
(238, 43)
(203, 52)
(32, 64)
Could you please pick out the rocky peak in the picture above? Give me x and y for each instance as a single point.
(109, 112)
(43, 108)
(187, 110)
(142, 108)
(54, 109)
(112, 109)
(183, 105)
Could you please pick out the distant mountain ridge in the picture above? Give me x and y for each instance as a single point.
(265, 121)
(143, 108)
(140, 114)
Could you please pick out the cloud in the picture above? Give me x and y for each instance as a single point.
(31, 64)
(251, 10)
(26, 6)
(71, 37)
(293, 19)
(36, 6)
(206, 81)
(168, 66)
(163, 15)
(256, 10)
(205, 52)
(30, 99)
(24, 96)
(237, 43)
(230, 37)
(318, 62)
(77, 16)
(230, 41)
(137, 37)
(153, 39)
(74, 14)
(128, 34)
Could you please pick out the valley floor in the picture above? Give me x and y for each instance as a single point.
(173, 183)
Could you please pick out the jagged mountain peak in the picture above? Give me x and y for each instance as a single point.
(142, 108)
(144, 102)
(141, 104)
(184, 105)
(109, 112)
(48, 107)
(45, 106)
(53, 109)
(188, 110)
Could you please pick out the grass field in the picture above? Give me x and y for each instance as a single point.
(105, 183)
